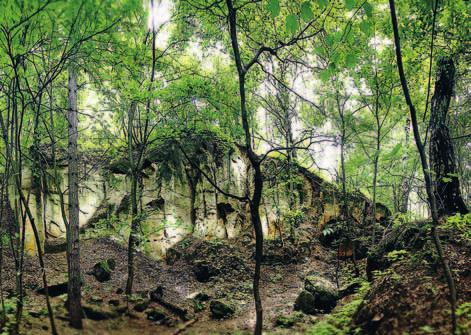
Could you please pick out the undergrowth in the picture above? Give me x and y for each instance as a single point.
(339, 321)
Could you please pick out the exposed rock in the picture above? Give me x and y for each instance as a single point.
(156, 314)
(323, 291)
(55, 245)
(141, 306)
(405, 236)
(96, 313)
(204, 271)
(305, 302)
(123, 206)
(221, 309)
(157, 204)
(172, 256)
(172, 301)
(276, 253)
(101, 213)
(102, 270)
(54, 290)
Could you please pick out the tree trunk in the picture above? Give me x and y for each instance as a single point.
(73, 246)
(133, 235)
(442, 158)
(255, 164)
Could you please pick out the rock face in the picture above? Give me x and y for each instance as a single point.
(174, 209)
(319, 295)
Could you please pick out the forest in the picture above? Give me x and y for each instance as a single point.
(235, 167)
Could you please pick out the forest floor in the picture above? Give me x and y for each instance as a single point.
(231, 283)
(407, 298)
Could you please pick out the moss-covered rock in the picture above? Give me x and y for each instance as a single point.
(288, 321)
(319, 295)
(221, 309)
(102, 270)
(305, 302)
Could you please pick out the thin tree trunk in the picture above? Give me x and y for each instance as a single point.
(425, 168)
(254, 202)
(133, 235)
(73, 246)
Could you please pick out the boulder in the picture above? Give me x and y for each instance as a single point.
(221, 309)
(323, 291)
(305, 302)
(173, 301)
(54, 290)
(102, 270)
(55, 245)
(156, 314)
(141, 306)
(96, 313)
(204, 271)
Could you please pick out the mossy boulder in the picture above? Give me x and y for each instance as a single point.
(324, 292)
(102, 270)
(305, 302)
(221, 309)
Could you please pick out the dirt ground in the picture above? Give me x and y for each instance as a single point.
(280, 285)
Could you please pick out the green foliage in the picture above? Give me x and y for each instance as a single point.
(292, 24)
(7, 316)
(397, 255)
(460, 223)
(339, 321)
(273, 7)
(463, 313)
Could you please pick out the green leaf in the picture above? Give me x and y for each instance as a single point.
(368, 9)
(350, 61)
(322, 3)
(330, 40)
(325, 74)
(273, 6)
(292, 23)
(306, 11)
(365, 27)
(349, 4)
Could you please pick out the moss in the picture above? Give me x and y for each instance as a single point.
(340, 320)
(288, 321)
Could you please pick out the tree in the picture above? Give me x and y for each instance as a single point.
(73, 229)
(425, 167)
(446, 184)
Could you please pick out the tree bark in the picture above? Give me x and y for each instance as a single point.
(442, 158)
(133, 235)
(73, 246)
